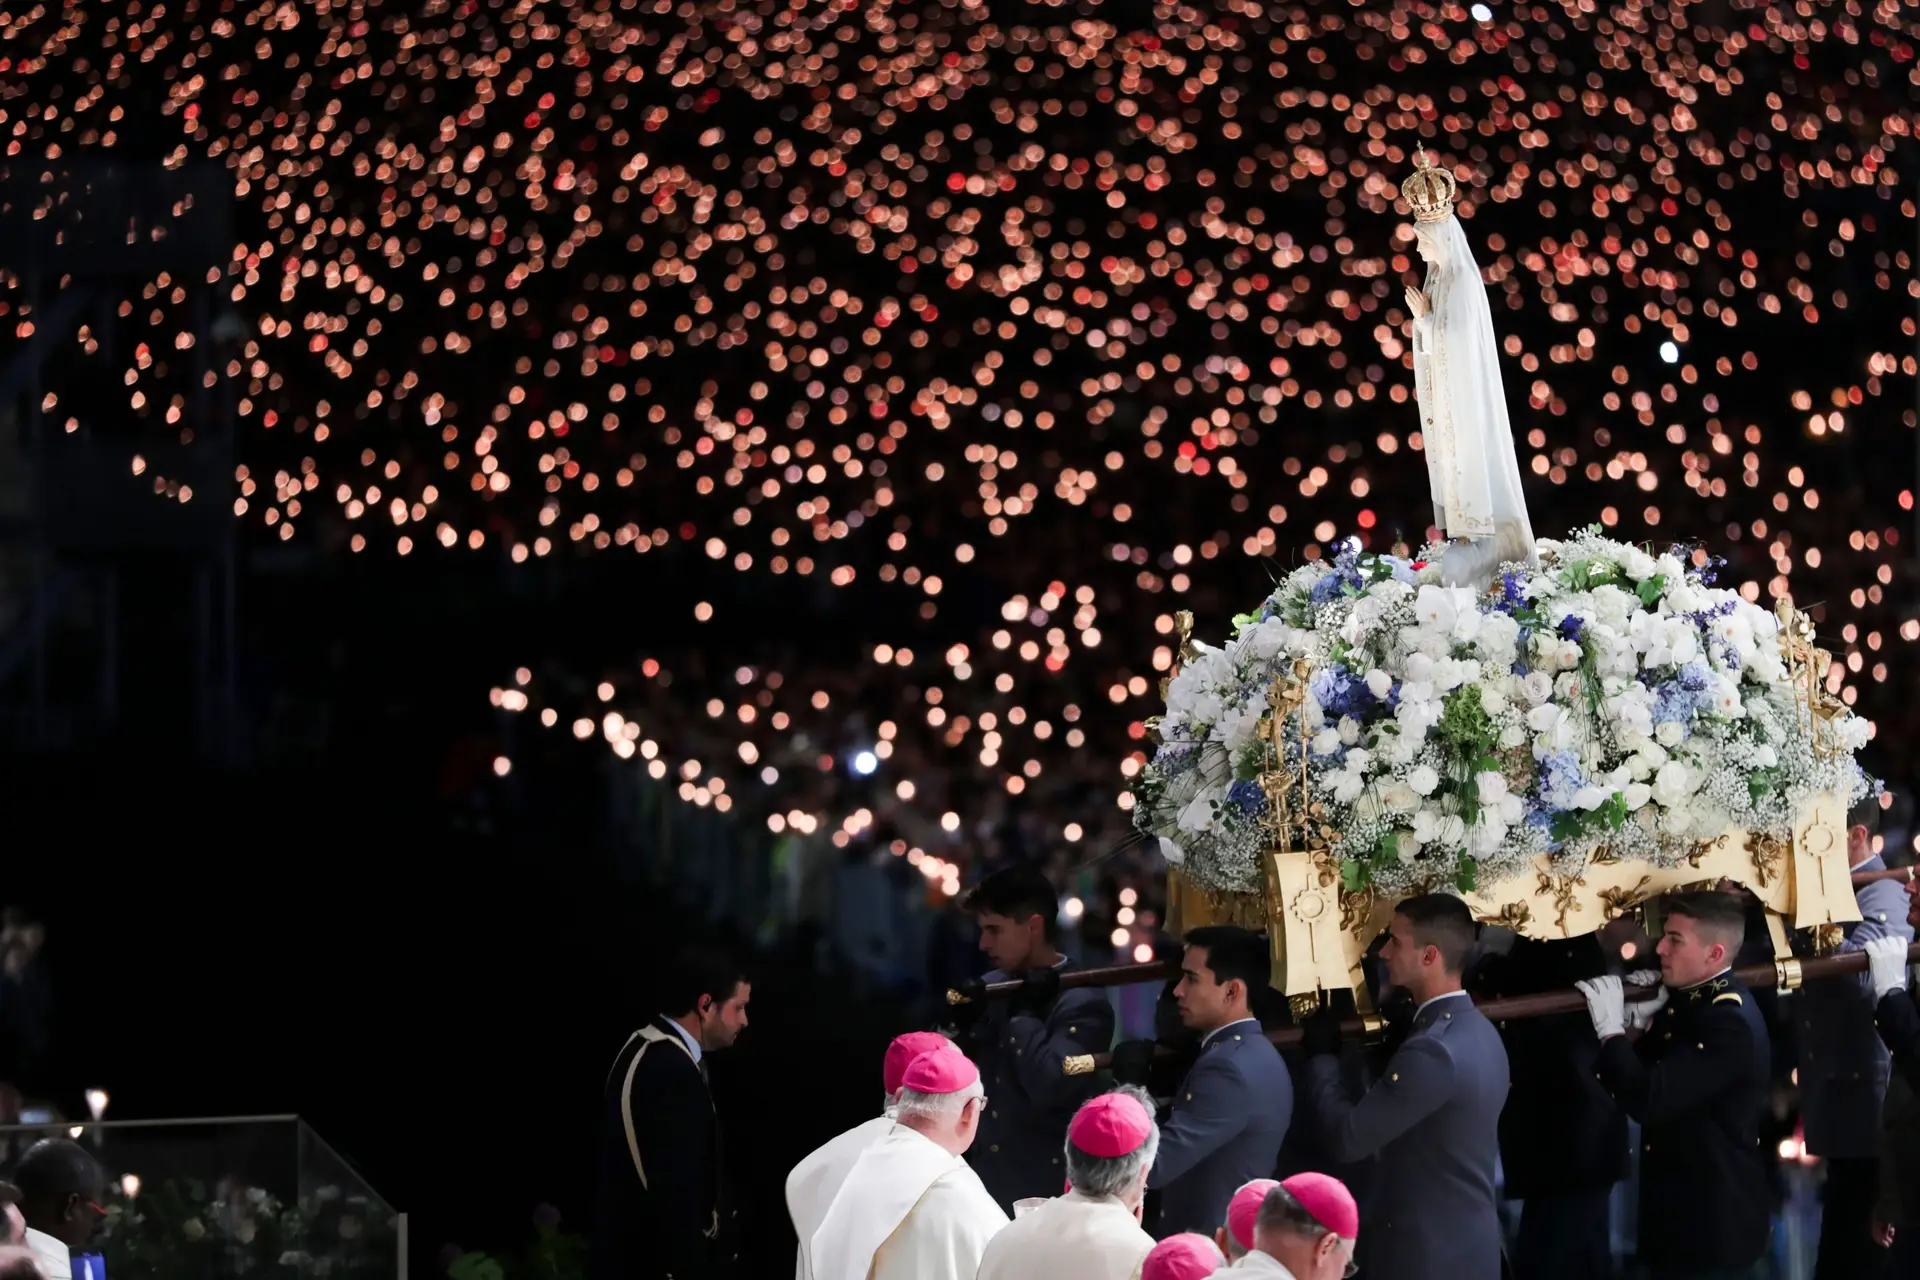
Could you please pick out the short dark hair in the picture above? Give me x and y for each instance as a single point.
(1018, 893)
(1280, 1211)
(52, 1170)
(1866, 814)
(1721, 917)
(1233, 952)
(1442, 921)
(700, 970)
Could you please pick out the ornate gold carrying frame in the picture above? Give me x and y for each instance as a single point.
(1319, 933)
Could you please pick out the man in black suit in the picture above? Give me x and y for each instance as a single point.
(662, 1212)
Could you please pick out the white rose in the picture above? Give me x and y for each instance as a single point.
(1538, 686)
(1672, 784)
(1423, 780)
(1349, 730)
(1172, 852)
(1544, 717)
(1347, 786)
(1765, 757)
(1406, 845)
(1399, 797)
(1513, 735)
(1426, 825)
(1590, 798)
(1637, 794)
(1669, 733)
(1512, 809)
(1682, 598)
(1491, 786)
(1326, 742)
(1453, 830)
(1198, 815)
(1434, 606)
(1419, 669)
(1637, 564)
(1379, 683)
(1570, 654)
(1670, 566)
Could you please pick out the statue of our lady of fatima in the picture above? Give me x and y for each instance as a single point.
(1471, 465)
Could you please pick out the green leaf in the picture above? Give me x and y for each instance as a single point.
(475, 1266)
(1354, 875)
(1651, 589)
(1467, 875)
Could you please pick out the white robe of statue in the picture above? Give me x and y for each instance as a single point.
(1471, 465)
(816, 1180)
(1082, 1237)
(909, 1210)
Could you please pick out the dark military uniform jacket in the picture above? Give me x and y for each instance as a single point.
(1020, 1150)
(1843, 1065)
(1433, 1119)
(1697, 1083)
(1223, 1129)
(661, 1212)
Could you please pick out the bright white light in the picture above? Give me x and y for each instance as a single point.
(1481, 13)
(1670, 353)
(865, 762)
(1143, 953)
(502, 766)
(1073, 908)
(130, 1185)
(97, 1102)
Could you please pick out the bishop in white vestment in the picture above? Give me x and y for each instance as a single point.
(911, 1208)
(1092, 1232)
(817, 1179)
(1304, 1229)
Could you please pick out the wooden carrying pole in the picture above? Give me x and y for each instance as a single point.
(1786, 974)
(1120, 975)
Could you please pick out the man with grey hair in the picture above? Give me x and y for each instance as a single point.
(1093, 1231)
(911, 1208)
(1306, 1229)
(816, 1180)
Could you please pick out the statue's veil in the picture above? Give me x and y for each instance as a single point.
(1471, 408)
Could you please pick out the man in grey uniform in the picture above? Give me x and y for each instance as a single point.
(1433, 1117)
(1844, 1069)
(1230, 1113)
(1020, 1043)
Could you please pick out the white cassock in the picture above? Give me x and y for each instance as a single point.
(816, 1180)
(909, 1210)
(1253, 1266)
(1071, 1237)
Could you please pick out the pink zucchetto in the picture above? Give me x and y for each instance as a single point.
(1328, 1200)
(1244, 1208)
(1183, 1257)
(1113, 1124)
(941, 1070)
(903, 1051)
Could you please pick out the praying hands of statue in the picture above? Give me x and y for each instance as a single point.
(1416, 302)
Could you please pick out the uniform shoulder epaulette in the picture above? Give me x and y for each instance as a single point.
(1729, 995)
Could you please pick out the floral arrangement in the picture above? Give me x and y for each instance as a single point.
(1611, 699)
(184, 1229)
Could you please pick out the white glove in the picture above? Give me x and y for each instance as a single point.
(1887, 962)
(1605, 1005)
(1640, 1012)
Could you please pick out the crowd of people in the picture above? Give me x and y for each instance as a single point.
(998, 1151)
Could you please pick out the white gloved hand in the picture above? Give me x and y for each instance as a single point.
(1887, 962)
(1605, 1005)
(1640, 1012)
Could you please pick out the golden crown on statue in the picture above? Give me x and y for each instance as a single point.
(1430, 190)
